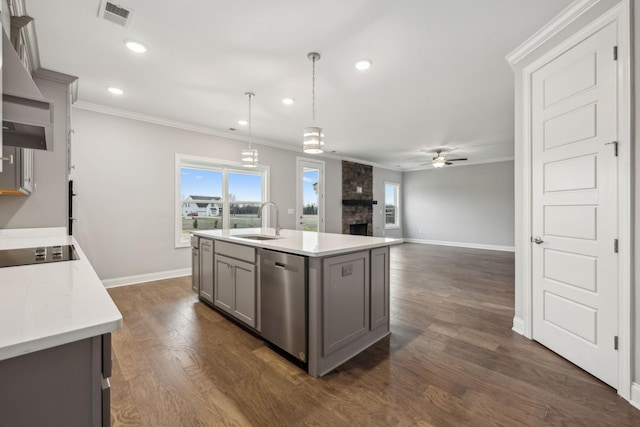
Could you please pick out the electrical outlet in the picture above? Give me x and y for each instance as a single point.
(290, 211)
(420, 231)
(359, 190)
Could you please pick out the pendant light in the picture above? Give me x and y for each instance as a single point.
(249, 155)
(312, 142)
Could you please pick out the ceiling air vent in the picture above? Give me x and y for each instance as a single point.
(116, 13)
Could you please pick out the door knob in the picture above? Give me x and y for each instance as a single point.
(537, 240)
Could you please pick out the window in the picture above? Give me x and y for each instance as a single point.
(391, 205)
(214, 194)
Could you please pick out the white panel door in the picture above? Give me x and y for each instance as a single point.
(574, 205)
(310, 195)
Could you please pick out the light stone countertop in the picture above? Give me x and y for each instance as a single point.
(47, 305)
(306, 243)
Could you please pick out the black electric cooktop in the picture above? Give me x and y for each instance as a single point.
(39, 255)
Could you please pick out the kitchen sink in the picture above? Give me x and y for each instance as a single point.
(257, 237)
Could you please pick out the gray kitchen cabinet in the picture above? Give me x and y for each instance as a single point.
(345, 302)
(17, 176)
(207, 269)
(224, 283)
(63, 386)
(245, 292)
(341, 305)
(235, 288)
(379, 288)
(195, 270)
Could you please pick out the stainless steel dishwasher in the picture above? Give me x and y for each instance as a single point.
(283, 301)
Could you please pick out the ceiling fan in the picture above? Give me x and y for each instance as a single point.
(440, 161)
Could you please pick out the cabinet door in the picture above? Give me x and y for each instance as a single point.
(9, 178)
(224, 284)
(245, 292)
(207, 269)
(345, 301)
(195, 270)
(26, 180)
(379, 287)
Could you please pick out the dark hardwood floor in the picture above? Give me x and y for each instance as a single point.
(452, 360)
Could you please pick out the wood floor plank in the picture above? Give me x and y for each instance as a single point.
(451, 360)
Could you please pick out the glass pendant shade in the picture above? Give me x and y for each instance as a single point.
(249, 157)
(312, 137)
(312, 140)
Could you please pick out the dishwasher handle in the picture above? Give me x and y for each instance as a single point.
(270, 263)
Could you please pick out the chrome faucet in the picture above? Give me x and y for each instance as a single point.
(278, 228)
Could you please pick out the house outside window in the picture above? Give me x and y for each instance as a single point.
(391, 205)
(215, 194)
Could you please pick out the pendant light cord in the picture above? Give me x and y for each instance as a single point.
(250, 120)
(313, 92)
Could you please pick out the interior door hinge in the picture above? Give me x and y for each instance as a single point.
(615, 53)
(615, 245)
(615, 342)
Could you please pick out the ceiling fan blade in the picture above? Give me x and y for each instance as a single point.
(448, 163)
(455, 160)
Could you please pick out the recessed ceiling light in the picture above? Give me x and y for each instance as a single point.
(136, 47)
(243, 122)
(287, 101)
(115, 90)
(363, 64)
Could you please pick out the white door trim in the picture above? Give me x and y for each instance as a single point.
(621, 15)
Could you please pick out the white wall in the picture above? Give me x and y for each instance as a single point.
(466, 205)
(47, 205)
(380, 176)
(124, 178)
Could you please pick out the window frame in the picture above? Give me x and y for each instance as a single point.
(226, 167)
(396, 224)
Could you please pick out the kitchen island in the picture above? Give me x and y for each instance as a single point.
(321, 297)
(55, 341)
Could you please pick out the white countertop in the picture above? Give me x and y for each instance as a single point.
(307, 243)
(47, 305)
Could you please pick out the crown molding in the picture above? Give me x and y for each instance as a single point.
(126, 114)
(97, 108)
(553, 27)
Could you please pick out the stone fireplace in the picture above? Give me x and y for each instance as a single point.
(357, 199)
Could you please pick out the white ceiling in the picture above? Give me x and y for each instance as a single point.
(438, 80)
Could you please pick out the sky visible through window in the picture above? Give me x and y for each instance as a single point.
(203, 182)
(245, 187)
(389, 197)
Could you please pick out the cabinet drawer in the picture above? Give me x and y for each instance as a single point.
(232, 250)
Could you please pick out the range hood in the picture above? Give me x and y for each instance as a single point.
(27, 117)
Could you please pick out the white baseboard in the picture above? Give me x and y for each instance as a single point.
(518, 325)
(141, 278)
(635, 395)
(462, 245)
